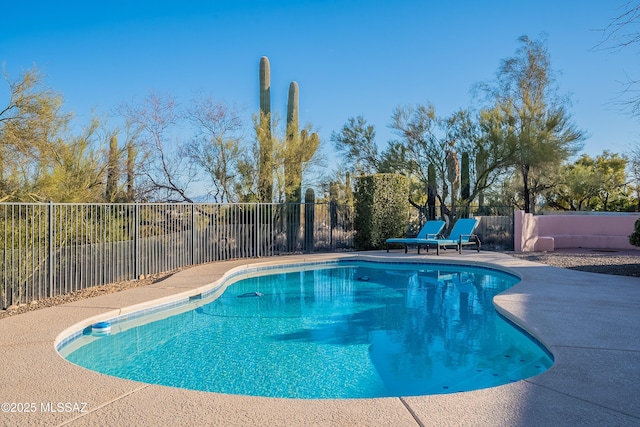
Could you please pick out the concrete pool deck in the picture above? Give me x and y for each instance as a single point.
(590, 322)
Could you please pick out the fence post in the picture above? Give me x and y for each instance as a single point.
(258, 228)
(333, 219)
(51, 249)
(193, 234)
(136, 241)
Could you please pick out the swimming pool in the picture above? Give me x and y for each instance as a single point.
(343, 329)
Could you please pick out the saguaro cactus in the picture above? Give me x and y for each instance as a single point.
(465, 181)
(333, 207)
(453, 176)
(348, 199)
(481, 167)
(112, 170)
(265, 173)
(292, 110)
(465, 192)
(299, 148)
(292, 173)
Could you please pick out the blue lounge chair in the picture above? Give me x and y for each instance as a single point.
(430, 230)
(461, 235)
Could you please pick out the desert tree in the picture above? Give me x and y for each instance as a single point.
(589, 183)
(534, 120)
(113, 169)
(621, 33)
(217, 147)
(31, 124)
(421, 143)
(356, 144)
(76, 173)
(40, 160)
(431, 150)
(634, 170)
(164, 172)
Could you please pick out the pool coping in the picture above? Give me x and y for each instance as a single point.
(588, 321)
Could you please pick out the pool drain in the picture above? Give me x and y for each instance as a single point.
(250, 294)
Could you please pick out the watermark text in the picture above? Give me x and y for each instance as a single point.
(49, 407)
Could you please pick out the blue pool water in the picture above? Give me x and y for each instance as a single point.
(356, 330)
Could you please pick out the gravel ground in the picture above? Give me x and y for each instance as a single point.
(622, 263)
(618, 262)
(85, 293)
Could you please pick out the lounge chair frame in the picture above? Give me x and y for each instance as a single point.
(417, 241)
(463, 239)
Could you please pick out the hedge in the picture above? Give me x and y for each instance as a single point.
(381, 209)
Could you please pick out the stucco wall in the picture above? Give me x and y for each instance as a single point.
(550, 232)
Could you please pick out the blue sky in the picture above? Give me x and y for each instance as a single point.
(358, 57)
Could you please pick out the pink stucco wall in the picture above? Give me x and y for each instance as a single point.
(550, 232)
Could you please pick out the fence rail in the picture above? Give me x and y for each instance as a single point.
(53, 249)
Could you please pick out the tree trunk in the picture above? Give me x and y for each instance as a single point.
(526, 192)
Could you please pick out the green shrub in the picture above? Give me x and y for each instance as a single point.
(381, 209)
(634, 238)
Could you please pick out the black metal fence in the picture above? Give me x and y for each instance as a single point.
(53, 249)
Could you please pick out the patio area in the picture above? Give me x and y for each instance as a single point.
(588, 321)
